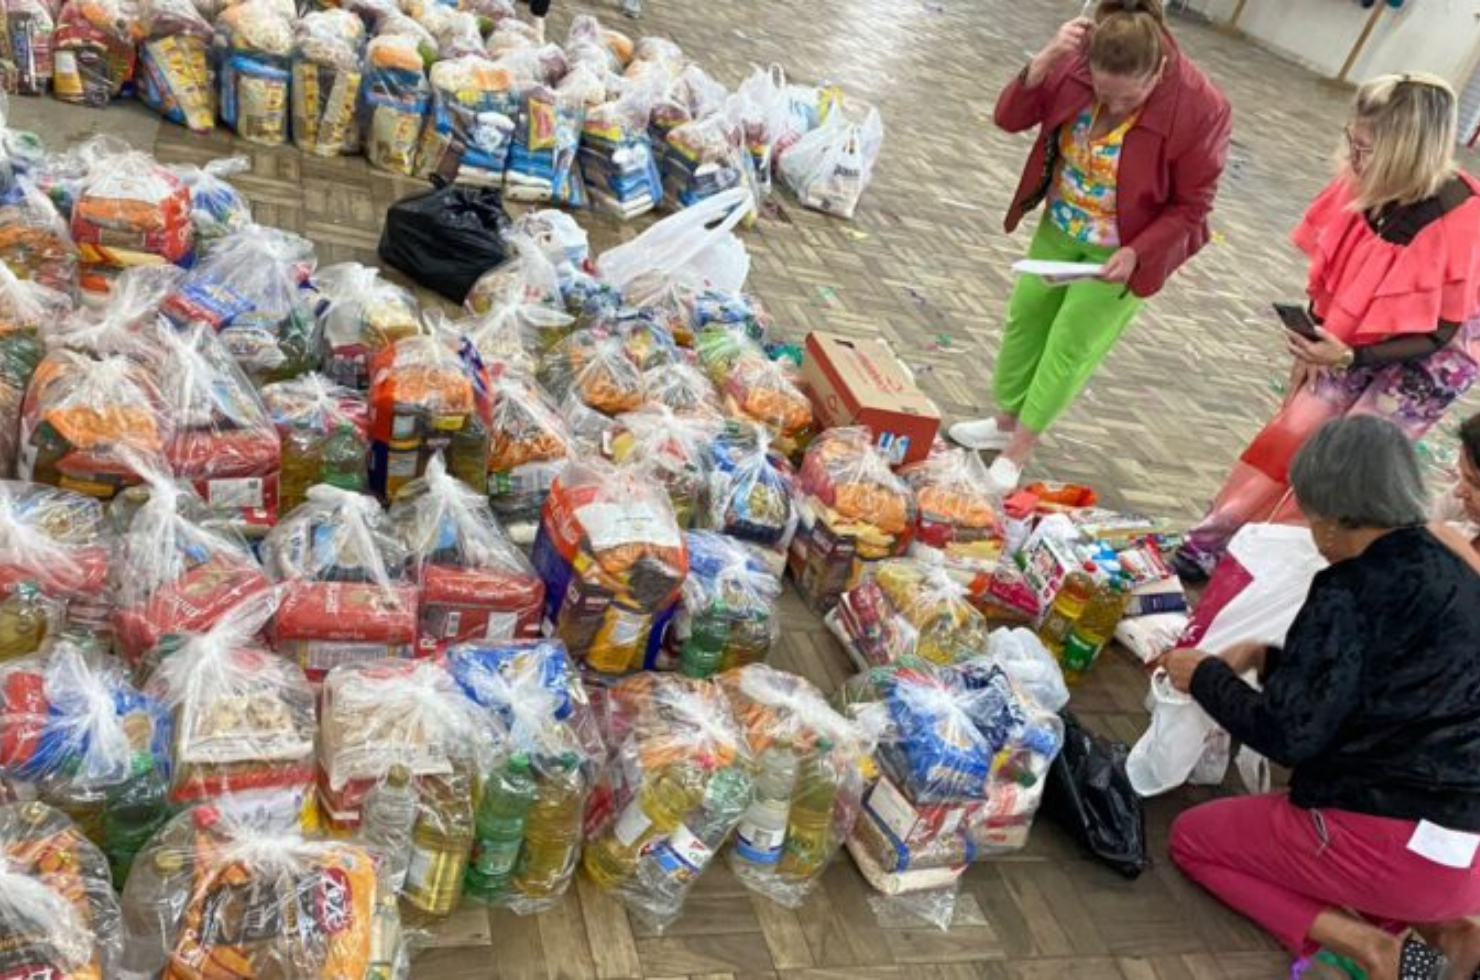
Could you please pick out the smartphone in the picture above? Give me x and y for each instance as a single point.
(1297, 319)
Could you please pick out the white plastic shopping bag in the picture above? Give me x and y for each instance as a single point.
(829, 167)
(1169, 751)
(696, 247)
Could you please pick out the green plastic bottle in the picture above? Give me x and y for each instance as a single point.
(498, 836)
(342, 459)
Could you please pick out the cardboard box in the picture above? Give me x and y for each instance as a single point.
(861, 382)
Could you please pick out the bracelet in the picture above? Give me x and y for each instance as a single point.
(1348, 360)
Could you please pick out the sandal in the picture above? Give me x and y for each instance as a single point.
(1421, 962)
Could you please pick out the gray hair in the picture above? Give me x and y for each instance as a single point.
(1361, 472)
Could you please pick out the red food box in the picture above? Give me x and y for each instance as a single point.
(322, 625)
(191, 604)
(462, 604)
(861, 382)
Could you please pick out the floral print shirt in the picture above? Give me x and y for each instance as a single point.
(1081, 200)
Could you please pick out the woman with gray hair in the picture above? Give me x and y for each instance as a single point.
(1373, 702)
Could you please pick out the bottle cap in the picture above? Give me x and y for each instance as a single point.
(519, 762)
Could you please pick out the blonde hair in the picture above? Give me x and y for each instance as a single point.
(1414, 123)
(1128, 37)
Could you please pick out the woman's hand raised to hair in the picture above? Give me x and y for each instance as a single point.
(1070, 40)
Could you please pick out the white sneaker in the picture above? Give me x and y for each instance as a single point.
(980, 434)
(1004, 475)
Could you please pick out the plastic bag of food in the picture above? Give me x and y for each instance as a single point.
(830, 167)
(26, 310)
(756, 388)
(903, 608)
(222, 894)
(89, 742)
(616, 47)
(56, 544)
(683, 390)
(808, 782)
(95, 50)
(174, 572)
(529, 444)
(426, 399)
(217, 209)
(349, 596)
(360, 315)
(728, 615)
(761, 109)
(455, 31)
(58, 914)
(668, 449)
(680, 778)
(564, 242)
(806, 108)
(740, 313)
(523, 291)
(617, 160)
(323, 430)
(31, 28)
(705, 157)
(689, 95)
(35, 242)
(130, 211)
(395, 98)
(471, 124)
(958, 521)
(255, 70)
(407, 713)
(554, 752)
(475, 585)
(542, 158)
(445, 238)
(174, 70)
(751, 493)
(852, 509)
(327, 53)
(592, 367)
(613, 560)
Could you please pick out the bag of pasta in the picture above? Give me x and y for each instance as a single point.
(88, 742)
(554, 751)
(475, 585)
(592, 367)
(26, 310)
(958, 521)
(751, 493)
(471, 122)
(244, 718)
(55, 549)
(613, 560)
(35, 241)
(394, 98)
(95, 50)
(529, 445)
(683, 390)
(728, 615)
(348, 593)
(523, 291)
(174, 571)
(174, 64)
(905, 607)
(406, 713)
(229, 895)
(130, 211)
(59, 917)
(323, 432)
(853, 510)
(761, 390)
(810, 762)
(360, 314)
(667, 449)
(327, 51)
(250, 290)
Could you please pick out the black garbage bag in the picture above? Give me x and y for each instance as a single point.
(1090, 796)
(446, 238)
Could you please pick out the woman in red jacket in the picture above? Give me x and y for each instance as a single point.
(1132, 139)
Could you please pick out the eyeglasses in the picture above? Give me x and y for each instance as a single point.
(1355, 150)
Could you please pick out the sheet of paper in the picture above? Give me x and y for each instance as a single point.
(1059, 271)
(1451, 848)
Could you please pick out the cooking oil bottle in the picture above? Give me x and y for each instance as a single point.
(440, 843)
(656, 811)
(552, 832)
(300, 467)
(23, 622)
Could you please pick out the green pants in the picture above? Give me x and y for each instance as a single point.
(1057, 335)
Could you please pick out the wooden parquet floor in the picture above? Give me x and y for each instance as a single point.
(925, 265)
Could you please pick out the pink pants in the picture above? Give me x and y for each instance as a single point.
(1276, 864)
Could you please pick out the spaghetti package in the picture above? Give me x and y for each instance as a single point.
(348, 594)
(680, 778)
(529, 445)
(728, 616)
(327, 51)
(475, 585)
(542, 157)
(471, 123)
(394, 101)
(244, 719)
(58, 542)
(853, 510)
(408, 713)
(958, 520)
(89, 743)
(95, 50)
(228, 896)
(26, 310)
(31, 28)
(250, 290)
(130, 211)
(360, 314)
(59, 917)
(426, 399)
(315, 421)
(35, 242)
(904, 607)
(786, 839)
(174, 64)
(175, 573)
(669, 450)
(613, 561)
(751, 493)
(682, 389)
(533, 692)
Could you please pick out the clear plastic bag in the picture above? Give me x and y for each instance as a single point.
(683, 390)
(728, 616)
(35, 242)
(349, 596)
(174, 64)
(613, 559)
(808, 786)
(455, 31)
(395, 99)
(327, 53)
(529, 445)
(761, 110)
(679, 780)
(219, 893)
(560, 237)
(669, 450)
(592, 367)
(360, 315)
(904, 608)
(250, 291)
(95, 56)
(174, 572)
(1030, 665)
(704, 158)
(532, 689)
(739, 313)
(131, 199)
(829, 167)
(256, 42)
(958, 520)
(542, 157)
(756, 388)
(60, 543)
(58, 914)
(617, 159)
(523, 292)
(27, 309)
(471, 123)
(751, 492)
(323, 432)
(475, 585)
(217, 210)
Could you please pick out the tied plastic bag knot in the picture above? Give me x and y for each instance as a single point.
(24, 542)
(94, 736)
(355, 531)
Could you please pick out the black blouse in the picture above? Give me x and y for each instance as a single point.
(1374, 702)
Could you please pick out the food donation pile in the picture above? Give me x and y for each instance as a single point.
(321, 613)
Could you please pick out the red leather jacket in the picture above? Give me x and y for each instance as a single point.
(1169, 165)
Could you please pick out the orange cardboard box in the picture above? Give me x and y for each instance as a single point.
(861, 382)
